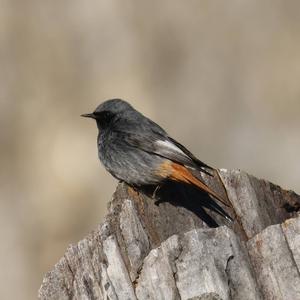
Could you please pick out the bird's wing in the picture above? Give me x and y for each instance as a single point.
(161, 144)
(174, 151)
(198, 162)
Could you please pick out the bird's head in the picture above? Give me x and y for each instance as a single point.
(108, 111)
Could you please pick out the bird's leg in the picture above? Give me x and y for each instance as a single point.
(155, 191)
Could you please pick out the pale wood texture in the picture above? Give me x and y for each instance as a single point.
(147, 251)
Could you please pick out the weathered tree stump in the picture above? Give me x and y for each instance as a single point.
(147, 251)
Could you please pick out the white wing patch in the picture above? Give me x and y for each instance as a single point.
(171, 146)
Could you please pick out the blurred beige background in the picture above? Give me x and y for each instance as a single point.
(223, 77)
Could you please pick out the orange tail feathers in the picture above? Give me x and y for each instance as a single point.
(180, 173)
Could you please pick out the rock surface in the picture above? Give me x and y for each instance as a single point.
(148, 251)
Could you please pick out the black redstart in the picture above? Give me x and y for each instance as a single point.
(139, 152)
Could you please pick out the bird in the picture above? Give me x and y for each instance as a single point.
(136, 150)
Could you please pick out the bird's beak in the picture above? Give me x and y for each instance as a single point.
(89, 116)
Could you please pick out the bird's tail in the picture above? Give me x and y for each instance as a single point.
(182, 174)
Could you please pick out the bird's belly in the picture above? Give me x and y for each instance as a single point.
(132, 165)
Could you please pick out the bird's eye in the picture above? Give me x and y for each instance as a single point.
(96, 113)
(101, 114)
(104, 116)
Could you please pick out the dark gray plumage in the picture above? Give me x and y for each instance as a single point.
(136, 150)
